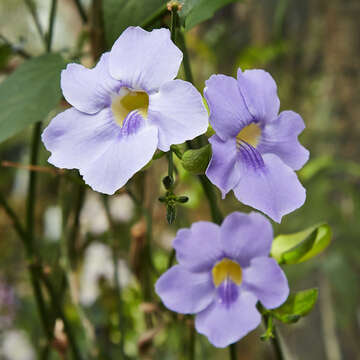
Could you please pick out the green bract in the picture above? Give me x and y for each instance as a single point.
(196, 161)
(297, 305)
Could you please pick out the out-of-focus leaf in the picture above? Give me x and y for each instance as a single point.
(196, 11)
(29, 93)
(196, 161)
(322, 163)
(301, 246)
(297, 305)
(119, 14)
(5, 53)
(260, 56)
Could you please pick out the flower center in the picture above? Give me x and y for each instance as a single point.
(250, 134)
(128, 101)
(226, 269)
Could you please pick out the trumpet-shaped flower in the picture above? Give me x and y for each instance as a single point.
(255, 149)
(124, 108)
(223, 272)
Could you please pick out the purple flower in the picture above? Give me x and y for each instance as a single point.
(124, 108)
(255, 149)
(223, 271)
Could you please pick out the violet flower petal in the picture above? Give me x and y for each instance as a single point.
(272, 188)
(144, 60)
(179, 113)
(184, 291)
(225, 324)
(199, 247)
(266, 280)
(89, 90)
(259, 91)
(245, 236)
(228, 111)
(280, 137)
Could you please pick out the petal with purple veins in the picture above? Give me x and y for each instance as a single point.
(144, 60)
(179, 113)
(185, 292)
(266, 280)
(269, 185)
(128, 153)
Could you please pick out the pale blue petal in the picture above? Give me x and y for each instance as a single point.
(179, 113)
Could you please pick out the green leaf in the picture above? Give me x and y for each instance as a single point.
(296, 306)
(119, 14)
(196, 161)
(196, 11)
(301, 246)
(5, 53)
(30, 93)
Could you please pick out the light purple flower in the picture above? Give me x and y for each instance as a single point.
(222, 272)
(124, 108)
(255, 149)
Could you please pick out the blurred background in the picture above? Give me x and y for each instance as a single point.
(312, 49)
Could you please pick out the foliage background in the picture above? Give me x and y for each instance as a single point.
(312, 49)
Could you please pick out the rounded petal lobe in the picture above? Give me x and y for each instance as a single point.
(266, 280)
(144, 60)
(280, 137)
(224, 324)
(89, 90)
(228, 111)
(128, 153)
(185, 292)
(179, 113)
(259, 91)
(223, 170)
(198, 248)
(76, 139)
(272, 187)
(245, 236)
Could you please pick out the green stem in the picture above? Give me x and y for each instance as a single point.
(192, 342)
(155, 16)
(171, 165)
(15, 49)
(32, 259)
(186, 62)
(52, 15)
(275, 341)
(210, 194)
(232, 350)
(81, 11)
(12, 215)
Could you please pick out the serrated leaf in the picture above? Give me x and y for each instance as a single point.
(196, 11)
(120, 14)
(296, 306)
(30, 93)
(301, 246)
(196, 161)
